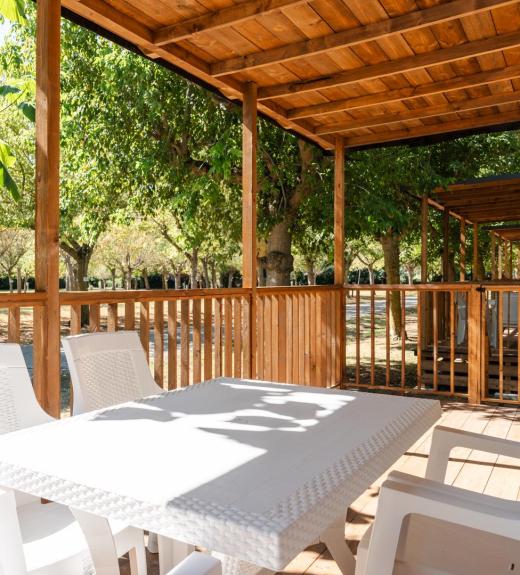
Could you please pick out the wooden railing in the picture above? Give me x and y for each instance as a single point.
(423, 349)
(443, 345)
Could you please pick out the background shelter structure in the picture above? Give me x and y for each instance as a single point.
(344, 75)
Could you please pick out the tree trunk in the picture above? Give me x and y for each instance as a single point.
(194, 260)
(146, 279)
(260, 271)
(165, 277)
(178, 280)
(371, 277)
(390, 245)
(409, 274)
(279, 263)
(11, 282)
(205, 272)
(19, 280)
(231, 274)
(311, 275)
(128, 279)
(113, 275)
(214, 280)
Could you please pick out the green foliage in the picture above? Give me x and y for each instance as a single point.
(13, 10)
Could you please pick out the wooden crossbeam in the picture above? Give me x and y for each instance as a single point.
(347, 38)
(401, 94)
(442, 128)
(421, 113)
(219, 19)
(399, 66)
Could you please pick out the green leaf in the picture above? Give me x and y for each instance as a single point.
(13, 10)
(28, 110)
(6, 90)
(7, 160)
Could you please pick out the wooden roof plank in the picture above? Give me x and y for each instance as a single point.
(360, 35)
(402, 65)
(420, 113)
(219, 19)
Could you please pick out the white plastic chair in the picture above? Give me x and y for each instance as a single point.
(107, 369)
(47, 539)
(198, 564)
(424, 527)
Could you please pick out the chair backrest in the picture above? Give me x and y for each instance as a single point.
(19, 407)
(107, 369)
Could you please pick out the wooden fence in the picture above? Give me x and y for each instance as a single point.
(442, 346)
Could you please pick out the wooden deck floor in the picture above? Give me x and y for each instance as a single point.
(478, 471)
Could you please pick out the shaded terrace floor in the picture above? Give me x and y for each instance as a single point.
(478, 471)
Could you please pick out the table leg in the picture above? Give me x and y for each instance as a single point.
(171, 553)
(334, 539)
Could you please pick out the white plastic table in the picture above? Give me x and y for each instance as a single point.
(254, 470)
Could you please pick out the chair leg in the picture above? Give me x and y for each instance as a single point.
(334, 539)
(137, 557)
(153, 545)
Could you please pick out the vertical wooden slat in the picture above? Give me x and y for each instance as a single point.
(144, 327)
(435, 341)
(452, 341)
(296, 337)
(274, 338)
(301, 339)
(196, 362)
(94, 317)
(289, 337)
(319, 341)
(445, 245)
(312, 338)
(158, 342)
(185, 342)
(493, 256)
(47, 360)
(172, 344)
(266, 319)
(518, 346)
(237, 339)
(403, 339)
(475, 272)
(112, 317)
(208, 323)
(475, 314)
(13, 325)
(75, 319)
(419, 338)
(358, 335)
(129, 315)
(249, 187)
(218, 338)
(246, 336)
(228, 335)
(323, 338)
(500, 324)
(282, 338)
(259, 321)
(387, 338)
(307, 339)
(372, 338)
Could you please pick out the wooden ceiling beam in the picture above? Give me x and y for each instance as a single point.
(392, 67)
(441, 128)
(361, 34)
(115, 22)
(401, 94)
(235, 14)
(421, 113)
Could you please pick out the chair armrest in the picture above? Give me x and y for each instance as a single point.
(402, 495)
(12, 559)
(198, 564)
(445, 439)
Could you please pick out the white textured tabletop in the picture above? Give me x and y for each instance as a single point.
(251, 469)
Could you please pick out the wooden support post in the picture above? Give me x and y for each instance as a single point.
(474, 271)
(339, 246)
(500, 268)
(493, 256)
(510, 260)
(462, 273)
(445, 245)
(47, 318)
(249, 183)
(424, 238)
(475, 359)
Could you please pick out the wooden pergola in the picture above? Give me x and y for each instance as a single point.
(475, 202)
(343, 74)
